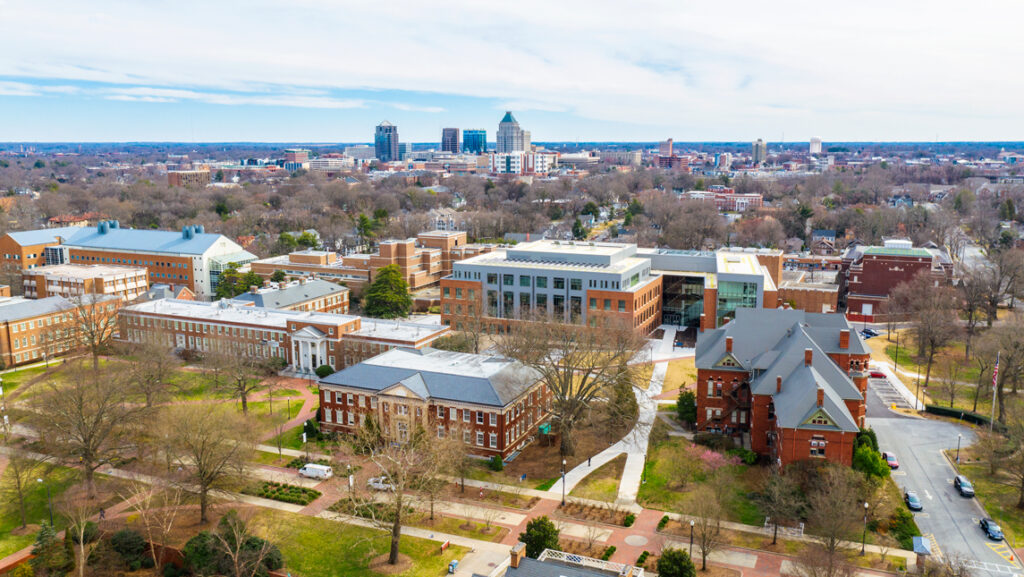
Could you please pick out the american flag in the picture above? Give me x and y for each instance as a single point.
(995, 371)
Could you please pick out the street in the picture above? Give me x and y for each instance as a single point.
(949, 520)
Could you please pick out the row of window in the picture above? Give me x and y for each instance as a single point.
(112, 260)
(608, 305)
(205, 328)
(458, 293)
(48, 321)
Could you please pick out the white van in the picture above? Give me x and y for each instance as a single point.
(315, 471)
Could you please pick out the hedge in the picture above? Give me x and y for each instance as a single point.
(608, 552)
(283, 492)
(974, 418)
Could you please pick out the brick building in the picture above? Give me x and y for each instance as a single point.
(494, 404)
(870, 273)
(300, 295)
(811, 291)
(791, 385)
(67, 280)
(305, 340)
(36, 329)
(726, 199)
(27, 248)
(423, 261)
(189, 178)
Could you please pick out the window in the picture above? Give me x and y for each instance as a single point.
(607, 304)
(559, 283)
(493, 419)
(818, 446)
(465, 437)
(458, 293)
(447, 292)
(576, 284)
(480, 438)
(440, 431)
(479, 417)
(507, 280)
(351, 418)
(465, 415)
(622, 306)
(593, 303)
(541, 282)
(524, 280)
(440, 412)
(453, 414)
(492, 278)
(493, 441)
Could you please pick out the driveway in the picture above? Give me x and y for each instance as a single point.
(948, 519)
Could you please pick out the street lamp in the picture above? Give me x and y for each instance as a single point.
(692, 523)
(958, 438)
(563, 482)
(49, 501)
(864, 538)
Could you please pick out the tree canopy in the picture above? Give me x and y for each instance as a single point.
(388, 296)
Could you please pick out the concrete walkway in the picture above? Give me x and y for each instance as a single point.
(634, 444)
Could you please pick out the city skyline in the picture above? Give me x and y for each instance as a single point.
(576, 71)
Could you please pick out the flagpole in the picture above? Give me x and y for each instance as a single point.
(995, 376)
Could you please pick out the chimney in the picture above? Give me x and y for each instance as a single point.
(807, 357)
(778, 384)
(518, 553)
(728, 344)
(254, 290)
(702, 322)
(266, 283)
(821, 396)
(281, 285)
(844, 339)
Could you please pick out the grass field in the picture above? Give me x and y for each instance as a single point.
(680, 373)
(602, 484)
(998, 494)
(290, 439)
(37, 511)
(314, 547)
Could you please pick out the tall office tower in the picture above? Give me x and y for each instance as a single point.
(510, 138)
(385, 142)
(759, 152)
(815, 146)
(474, 141)
(450, 140)
(404, 151)
(665, 148)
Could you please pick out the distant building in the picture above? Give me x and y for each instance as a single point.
(723, 161)
(450, 140)
(474, 141)
(73, 280)
(726, 199)
(404, 150)
(511, 138)
(312, 295)
(759, 152)
(385, 142)
(493, 404)
(665, 148)
(188, 178)
(299, 155)
(361, 152)
(522, 163)
(870, 273)
(815, 147)
(632, 157)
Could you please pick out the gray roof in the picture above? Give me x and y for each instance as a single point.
(534, 568)
(770, 343)
(44, 236)
(294, 293)
(165, 241)
(13, 309)
(441, 375)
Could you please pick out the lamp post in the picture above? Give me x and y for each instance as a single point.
(46, 360)
(563, 482)
(49, 501)
(958, 438)
(692, 523)
(864, 538)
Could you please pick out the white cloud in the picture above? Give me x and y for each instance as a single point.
(704, 70)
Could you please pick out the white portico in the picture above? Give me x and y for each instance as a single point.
(309, 349)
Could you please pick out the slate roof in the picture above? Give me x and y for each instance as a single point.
(534, 568)
(769, 343)
(13, 309)
(45, 235)
(165, 241)
(442, 375)
(294, 293)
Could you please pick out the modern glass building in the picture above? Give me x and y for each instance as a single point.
(474, 141)
(385, 142)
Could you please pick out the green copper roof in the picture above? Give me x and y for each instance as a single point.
(508, 117)
(887, 251)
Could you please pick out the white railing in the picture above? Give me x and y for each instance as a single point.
(581, 561)
(797, 531)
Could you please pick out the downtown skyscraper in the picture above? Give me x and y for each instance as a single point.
(512, 138)
(450, 140)
(385, 142)
(474, 141)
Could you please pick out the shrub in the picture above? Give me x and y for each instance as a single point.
(51, 556)
(870, 462)
(23, 570)
(200, 554)
(90, 534)
(172, 571)
(686, 406)
(714, 441)
(496, 463)
(664, 521)
(868, 436)
(324, 370)
(311, 428)
(643, 558)
(675, 563)
(903, 528)
(129, 544)
(540, 534)
(629, 520)
(608, 552)
(746, 455)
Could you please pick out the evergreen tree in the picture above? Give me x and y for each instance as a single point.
(388, 296)
(540, 534)
(676, 563)
(579, 232)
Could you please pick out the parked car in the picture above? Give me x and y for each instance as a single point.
(865, 335)
(991, 529)
(890, 459)
(913, 502)
(960, 483)
(316, 471)
(877, 375)
(871, 332)
(380, 484)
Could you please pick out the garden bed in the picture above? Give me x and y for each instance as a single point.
(283, 492)
(610, 514)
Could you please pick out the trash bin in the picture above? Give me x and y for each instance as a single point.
(452, 566)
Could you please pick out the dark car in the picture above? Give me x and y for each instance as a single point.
(991, 529)
(865, 335)
(960, 483)
(890, 459)
(913, 502)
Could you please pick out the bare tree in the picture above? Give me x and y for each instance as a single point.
(577, 364)
(240, 373)
(834, 509)
(973, 289)
(932, 309)
(17, 481)
(79, 507)
(210, 444)
(949, 384)
(1003, 275)
(780, 499)
(150, 367)
(246, 555)
(816, 561)
(86, 420)
(707, 525)
(994, 449)
(94, 323)
(1005, 342)
(157, 509)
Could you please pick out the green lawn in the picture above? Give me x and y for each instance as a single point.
(265, 458)
(15, 379)
(314, 547)
(58, 479)
(262, 409)
(602, 484)
(290, 439)
(999, 496)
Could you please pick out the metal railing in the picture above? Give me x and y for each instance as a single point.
(581, 561)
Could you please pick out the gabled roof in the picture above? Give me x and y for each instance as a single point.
(44, 236)
(292, 294)
(442, 375)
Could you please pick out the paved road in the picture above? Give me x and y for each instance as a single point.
(951, 520)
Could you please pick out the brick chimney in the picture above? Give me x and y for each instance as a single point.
(821, 396)
(728, 344)
(844, 339)
(266, 283)
(282, 285)
(254, 289)
(807, 357)
(517, 555)
(702, 322)
(778, 384)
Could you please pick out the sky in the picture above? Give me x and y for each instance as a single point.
(595, 70)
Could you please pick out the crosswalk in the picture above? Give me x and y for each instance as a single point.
(936, 550)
